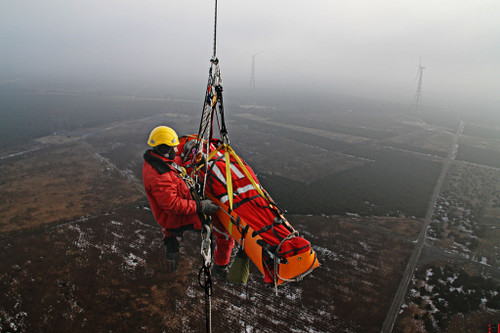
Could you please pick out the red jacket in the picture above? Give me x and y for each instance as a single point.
(169, 197)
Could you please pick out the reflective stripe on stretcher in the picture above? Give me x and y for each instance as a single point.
(220, 175)
(239, 191)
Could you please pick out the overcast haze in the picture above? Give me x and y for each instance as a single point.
(364, 47)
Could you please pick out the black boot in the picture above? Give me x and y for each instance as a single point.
(220, 272)
(172, 250)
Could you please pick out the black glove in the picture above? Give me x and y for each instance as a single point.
(207, 206)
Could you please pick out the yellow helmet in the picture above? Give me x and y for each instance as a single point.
(163, 135)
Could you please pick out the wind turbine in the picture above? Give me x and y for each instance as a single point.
(418, 93)
(252, 79)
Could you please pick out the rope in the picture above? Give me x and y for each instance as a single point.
(213, 97)
(206, 283)
(212, 103)
(277, 260)
(205, 115)
(215, 30)
(209, 107)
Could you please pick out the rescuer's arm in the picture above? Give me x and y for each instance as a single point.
(166, 191)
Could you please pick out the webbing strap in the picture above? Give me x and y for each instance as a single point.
(227, 152)
(244, 201)
(212, 154)
(268, 227)
(230, 226)
(246, 172)
(229, 179)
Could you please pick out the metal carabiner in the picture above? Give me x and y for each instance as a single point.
(206, 252)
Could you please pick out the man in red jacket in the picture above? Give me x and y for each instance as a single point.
(171, 198)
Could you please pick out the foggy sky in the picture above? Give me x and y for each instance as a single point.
(359, 47)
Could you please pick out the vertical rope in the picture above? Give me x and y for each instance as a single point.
(210, 105)
(205, 281)
(215, 32)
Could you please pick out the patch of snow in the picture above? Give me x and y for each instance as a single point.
(365, 246)
(452, 279)
(294, 296)
(358, 256)
(116, 235)
(192, 293)
(81, 242)
(326, 253)
(133, 261)
(144, 224)
(140, 235)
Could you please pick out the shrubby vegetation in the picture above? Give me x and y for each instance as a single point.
(452, 220)
(441, 292)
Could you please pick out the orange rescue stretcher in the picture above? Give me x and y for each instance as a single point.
(252, 218)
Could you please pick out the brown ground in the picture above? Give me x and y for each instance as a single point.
(106, 271)
(59, 183)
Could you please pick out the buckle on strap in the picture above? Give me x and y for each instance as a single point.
(277, 221)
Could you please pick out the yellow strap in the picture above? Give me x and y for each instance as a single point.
(210, 156)
(229, 181)
(229, 178)
(247, 173)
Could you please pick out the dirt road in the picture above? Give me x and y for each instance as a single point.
(405, 280)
